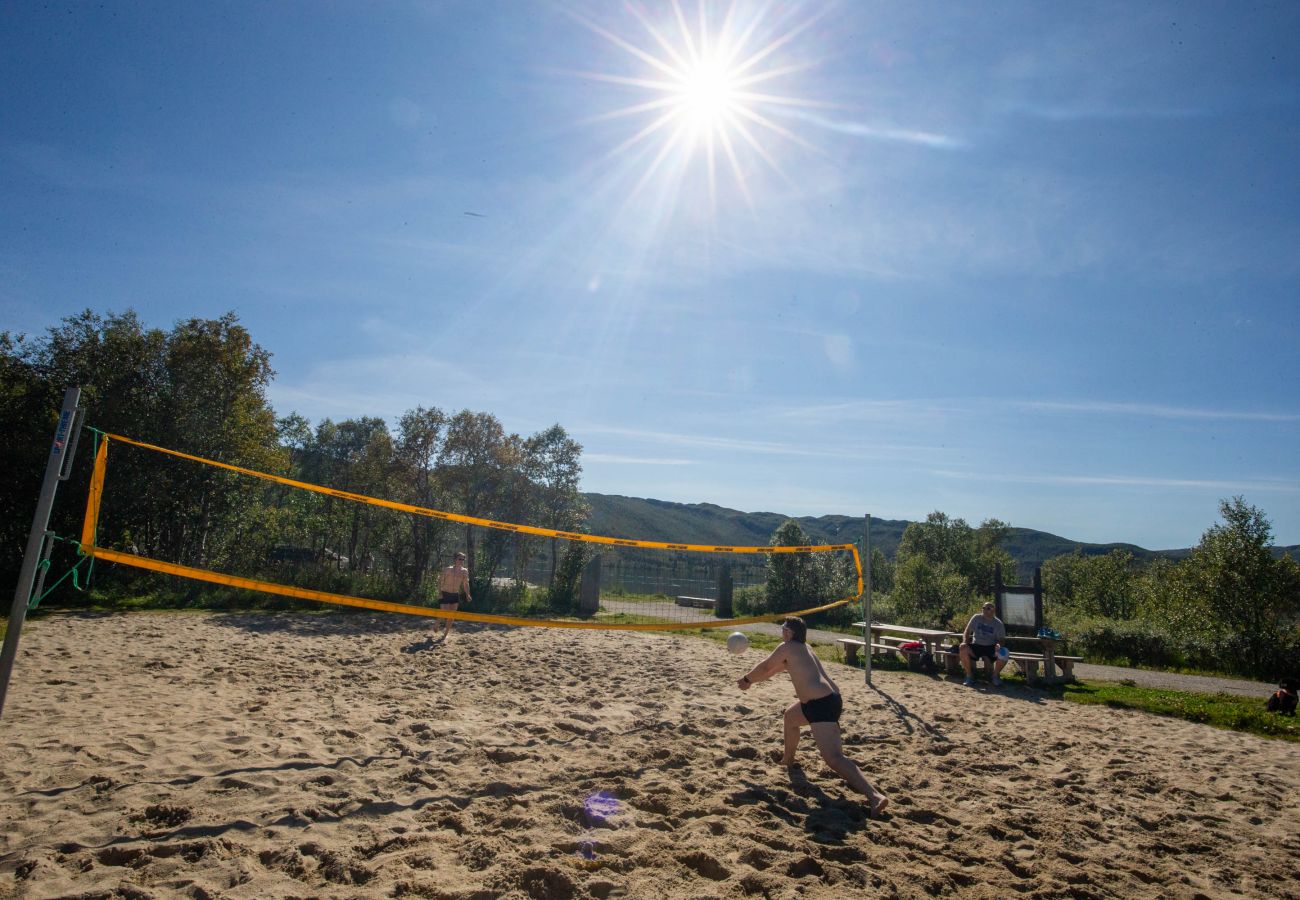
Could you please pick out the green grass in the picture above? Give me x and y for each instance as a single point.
(1219, 710)
(1232, 713)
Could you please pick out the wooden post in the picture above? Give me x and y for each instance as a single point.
(1039, 622)
(589, 592)
(722, 609)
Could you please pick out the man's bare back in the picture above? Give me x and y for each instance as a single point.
(454, 579)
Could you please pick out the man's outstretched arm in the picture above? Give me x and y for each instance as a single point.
(764, 670)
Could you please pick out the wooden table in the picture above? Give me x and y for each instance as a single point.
(930, 638)
(1051, 659)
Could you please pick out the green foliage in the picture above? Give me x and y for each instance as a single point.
(563, 595)
(804, 580)
(750, 601)
(1078, 585)
(1233, 597)
(1135, 643)
(944, 567)
(201, 388)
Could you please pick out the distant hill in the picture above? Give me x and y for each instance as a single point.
(707, 523)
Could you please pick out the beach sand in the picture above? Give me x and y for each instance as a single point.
(242, 756)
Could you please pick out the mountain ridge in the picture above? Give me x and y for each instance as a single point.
(615, 515)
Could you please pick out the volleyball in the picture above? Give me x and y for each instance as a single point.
(737, 643)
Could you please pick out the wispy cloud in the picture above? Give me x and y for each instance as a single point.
(1067, 113)
(617, 459)
(876, 411)
(1240, 487)
(1153, 410)
(741, 445)
(888, 133)
(939, 410)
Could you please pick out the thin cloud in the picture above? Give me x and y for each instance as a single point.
(875, 411)
(881, 132)
(740, 445)
(1151, 410)
(1238, 487)
(1053, 113)
(618, 459)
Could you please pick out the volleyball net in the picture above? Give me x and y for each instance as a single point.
(239, 528)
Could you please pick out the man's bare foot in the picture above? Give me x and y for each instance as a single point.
(779, 758)
(878, 805)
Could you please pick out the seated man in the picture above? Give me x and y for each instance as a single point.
(985, 634)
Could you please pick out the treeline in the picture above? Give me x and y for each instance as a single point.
(1231, 606)
(200, 388)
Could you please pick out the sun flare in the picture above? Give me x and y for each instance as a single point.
(710, 96)
(709, 90)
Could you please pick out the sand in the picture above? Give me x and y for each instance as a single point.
(152, 755)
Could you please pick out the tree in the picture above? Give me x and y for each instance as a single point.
(1101, 586)
(1241, 590)
(419, 442)
(553, 464)
(199, 388)
(943, 567)
(471, 476)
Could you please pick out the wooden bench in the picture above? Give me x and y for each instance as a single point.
(851, 647)
(885, 644)
(698, 602)
(1029, 662)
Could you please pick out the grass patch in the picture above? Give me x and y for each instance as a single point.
(622, 618)
(1226, 711)
(1219, 710)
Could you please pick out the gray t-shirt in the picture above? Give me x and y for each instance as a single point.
(986, 632)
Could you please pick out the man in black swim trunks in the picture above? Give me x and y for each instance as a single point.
(453, 583)
(818, 707)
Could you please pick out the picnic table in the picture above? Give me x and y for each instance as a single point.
(885, 638)
(1045, 652)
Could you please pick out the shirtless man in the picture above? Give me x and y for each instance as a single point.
(818, 706)
(452, 583)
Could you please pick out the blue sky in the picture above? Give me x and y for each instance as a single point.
(1033, 261)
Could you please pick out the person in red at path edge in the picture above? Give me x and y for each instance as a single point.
(819, 706)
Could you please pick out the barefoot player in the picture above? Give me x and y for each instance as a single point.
(818, 706)
(453, 583)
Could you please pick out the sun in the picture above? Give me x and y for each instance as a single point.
(710, 96)
(708, 90)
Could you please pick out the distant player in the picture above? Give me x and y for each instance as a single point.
(453, 584)
(819, 706)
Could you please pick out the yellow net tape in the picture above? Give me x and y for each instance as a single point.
(96, 493)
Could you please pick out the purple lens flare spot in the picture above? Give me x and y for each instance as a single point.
(600, 806)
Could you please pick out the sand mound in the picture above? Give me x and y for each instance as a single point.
(339, 756)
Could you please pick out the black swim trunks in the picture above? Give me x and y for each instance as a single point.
(988, 651)
(449, 598)
(823, 709)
